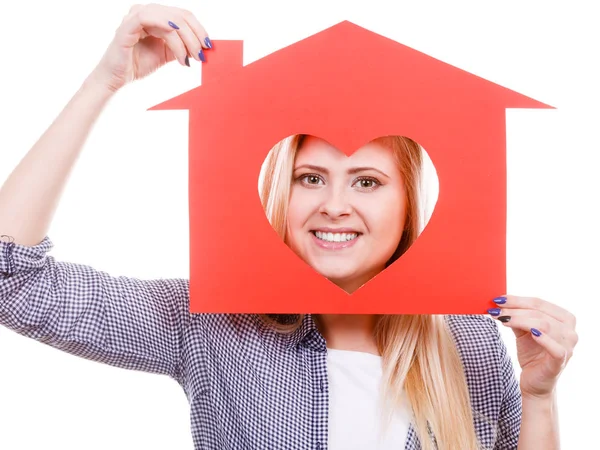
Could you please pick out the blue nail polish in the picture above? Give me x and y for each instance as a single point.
(201, 56)
(500, 300)
(536, 332)
(494, 311)
(208, 42)
(172, 25)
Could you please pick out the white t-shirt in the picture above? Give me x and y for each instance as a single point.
(354, 420)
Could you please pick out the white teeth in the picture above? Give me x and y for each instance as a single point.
(335, 237)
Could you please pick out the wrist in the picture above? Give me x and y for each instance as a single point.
(539, 400)
(96, 88)
(539, 422)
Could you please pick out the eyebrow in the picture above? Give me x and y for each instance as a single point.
(351, 171)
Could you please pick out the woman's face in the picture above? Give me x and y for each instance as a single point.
(346, 214)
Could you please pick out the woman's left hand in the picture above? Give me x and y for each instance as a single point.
(546, 338)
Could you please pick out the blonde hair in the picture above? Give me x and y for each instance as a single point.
(418, 352)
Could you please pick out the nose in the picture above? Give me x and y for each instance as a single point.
(335, 203)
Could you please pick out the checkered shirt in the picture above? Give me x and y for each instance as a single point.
(248, 386)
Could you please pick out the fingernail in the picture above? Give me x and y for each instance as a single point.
(201, 56)
(208, 42)
(536, 332)
(494, 311)
(187, 60)
(504, 319)
(500, 300)
(172, 25)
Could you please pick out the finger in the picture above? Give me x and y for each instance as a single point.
(524, 320)
(173, 41)
(198, 29)
(154, 22)
(141, 18)
(516, 302)
(559, 355)
(189, 38)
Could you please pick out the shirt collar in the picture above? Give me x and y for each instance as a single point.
(307, 335)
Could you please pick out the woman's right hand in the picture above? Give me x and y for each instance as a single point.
(149, 37)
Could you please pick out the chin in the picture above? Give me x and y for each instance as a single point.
(349, 275)
(336, 274)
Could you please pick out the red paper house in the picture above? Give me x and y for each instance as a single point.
(346, 85)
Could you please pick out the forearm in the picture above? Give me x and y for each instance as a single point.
(31, 193)
(539, 424)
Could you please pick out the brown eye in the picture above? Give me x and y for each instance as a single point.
(311, 179)
(367, 184)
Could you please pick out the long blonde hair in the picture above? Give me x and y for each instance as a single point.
(418, 352)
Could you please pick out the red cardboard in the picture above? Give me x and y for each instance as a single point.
(348, 86)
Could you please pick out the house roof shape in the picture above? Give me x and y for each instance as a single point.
(364, 54)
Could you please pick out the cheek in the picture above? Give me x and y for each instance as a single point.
(298, 214)
(386, 219)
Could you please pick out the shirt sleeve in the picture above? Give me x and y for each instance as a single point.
(509, 420)
(125, 322)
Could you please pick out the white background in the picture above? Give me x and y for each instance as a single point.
(125, 208)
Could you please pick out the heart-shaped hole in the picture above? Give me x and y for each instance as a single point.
(348, 217)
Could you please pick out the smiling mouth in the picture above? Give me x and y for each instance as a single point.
(335, 237)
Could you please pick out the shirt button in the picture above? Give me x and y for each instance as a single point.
(318, 446)
(321, 384)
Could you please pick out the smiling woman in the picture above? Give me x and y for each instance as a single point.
(347, 217)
